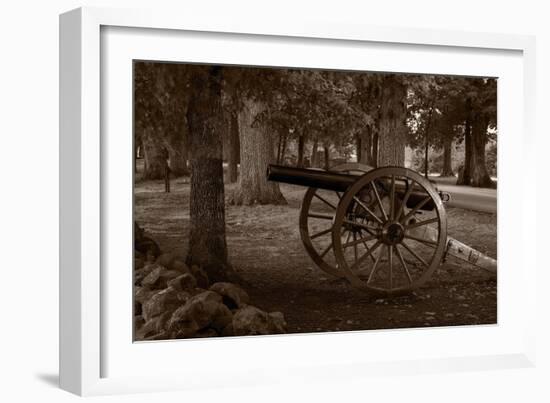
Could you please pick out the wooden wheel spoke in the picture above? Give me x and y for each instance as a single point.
(325, 201)
(355, 245)
(415, 254)
(363, 205)
(416, 208)
(326, 250)
(361, 225)
(424, 241)
(358, 241)
(405, 199)
(366, 255)
(392, 198)
(367, 249)
(320, 216)
(403, 264)
(421, 223)
(348, 236)
(318, 234)
(390, 263)
(374, 267)
(377, 195)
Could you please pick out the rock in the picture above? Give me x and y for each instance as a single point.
(228, 330)
(138, 322)
(222, 318)
(138, 263)
(233, 296)
(142, 294)
(166, 259)
(159, 277)
(166, 276)
(278, 322)
(153, 326)
(154, 276)
(200, 311)
(208, 332)
(183, 282)
(201, 276)
(178, 265)
(253, 321)
(161, 302)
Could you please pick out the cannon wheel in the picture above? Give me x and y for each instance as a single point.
(323, 256)
(400, 248)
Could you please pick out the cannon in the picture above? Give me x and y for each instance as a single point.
(382, 229)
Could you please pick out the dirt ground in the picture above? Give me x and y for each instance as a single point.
(266, 250)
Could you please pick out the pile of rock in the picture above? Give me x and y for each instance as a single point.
(172, 301)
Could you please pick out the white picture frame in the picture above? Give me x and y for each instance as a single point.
(86, 300)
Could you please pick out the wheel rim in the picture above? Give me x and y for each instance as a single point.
(400, 244)
(316, 218)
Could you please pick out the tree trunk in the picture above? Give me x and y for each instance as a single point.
(447, 157)
(234, 148)
(365, 146)
(207, 242)
(177, 152)
(281, 157)
(474, 172)
(256, 153)
(426, 157)
(314, 154)
(479, 177)
(358, 146)
(374, 156)
(326, 150)
(391, 147)
(301, 141)
(154, 155)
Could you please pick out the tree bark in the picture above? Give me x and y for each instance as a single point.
(391, 147)
(257, 152)
(358, 146)
(234, 148)
(474, 171)
(207, 242)
(154, 155)
(447, 157)
(479, 177)
(314, 154)
(301, 141)
(374, 156)
(281, 156)
(177, 152)
(326, 150)
(365, 146)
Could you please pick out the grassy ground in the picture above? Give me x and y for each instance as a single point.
(266, 250)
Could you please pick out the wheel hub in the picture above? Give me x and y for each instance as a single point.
(393, 233)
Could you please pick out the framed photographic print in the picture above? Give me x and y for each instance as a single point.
(261, 194)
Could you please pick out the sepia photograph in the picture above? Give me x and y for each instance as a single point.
(280, 200)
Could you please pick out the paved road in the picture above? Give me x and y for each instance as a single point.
(469, 197)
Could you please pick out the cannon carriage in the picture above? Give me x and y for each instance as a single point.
(383, 229)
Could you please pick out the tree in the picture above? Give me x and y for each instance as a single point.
(207, 242)
(393, 116)
(480, 116)
(257, 152)
(252, 90)
(234, 145)
(160, 124)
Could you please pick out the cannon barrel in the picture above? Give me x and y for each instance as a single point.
(338, 182)
(315, 178)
